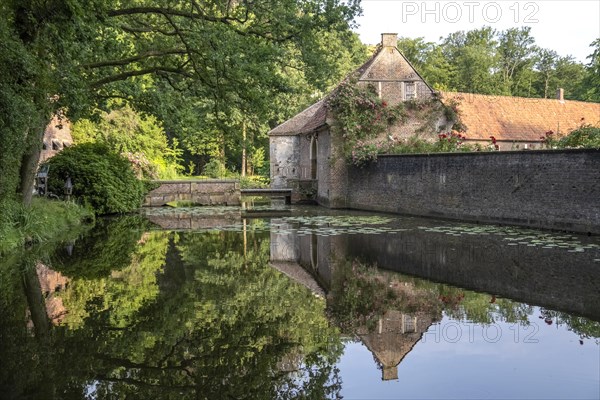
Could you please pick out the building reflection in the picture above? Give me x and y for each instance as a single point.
(395, 336)
(549, 277)
(314, 260)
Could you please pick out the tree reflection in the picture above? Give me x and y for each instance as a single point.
(210, 323)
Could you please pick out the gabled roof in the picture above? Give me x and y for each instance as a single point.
(315, 116)
(519, 118)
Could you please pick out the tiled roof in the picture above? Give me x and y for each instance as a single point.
(518, 118)
(306, 121)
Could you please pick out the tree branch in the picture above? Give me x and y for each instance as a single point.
(125, 61)
(200, 16)
(129, 74)
(146, 29)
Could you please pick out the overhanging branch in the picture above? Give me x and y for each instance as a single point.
(125, 61)
(129, 74)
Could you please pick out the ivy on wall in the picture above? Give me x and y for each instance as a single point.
(362, 118)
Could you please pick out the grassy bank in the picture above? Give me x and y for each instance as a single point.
(46, 220)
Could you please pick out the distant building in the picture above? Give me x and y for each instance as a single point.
(57, 136)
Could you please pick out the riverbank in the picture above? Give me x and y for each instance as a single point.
(46, 220)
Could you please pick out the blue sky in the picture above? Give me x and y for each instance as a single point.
(567, 27)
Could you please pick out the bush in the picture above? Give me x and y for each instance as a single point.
(101, 178)
(587, 137)
(215, 169)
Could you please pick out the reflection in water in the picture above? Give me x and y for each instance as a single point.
(263, 308)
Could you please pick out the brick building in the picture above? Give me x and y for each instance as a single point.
(306, 155)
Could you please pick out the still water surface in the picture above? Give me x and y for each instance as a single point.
(211, 303)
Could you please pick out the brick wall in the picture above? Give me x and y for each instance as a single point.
(544, 189)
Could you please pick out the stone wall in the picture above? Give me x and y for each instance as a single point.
(544, 189)
(201, 192)
(284, 160)
(555, 278)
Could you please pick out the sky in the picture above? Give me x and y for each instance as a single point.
(567, 27)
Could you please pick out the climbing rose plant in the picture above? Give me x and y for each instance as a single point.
(585, 137)
(361, 116)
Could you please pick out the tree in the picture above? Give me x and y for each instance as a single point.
(139, 137)
(473, 53)
(77, 55)
(545, 65)
(213, 323)
(591, 82)
(516, 52)
(428, 58)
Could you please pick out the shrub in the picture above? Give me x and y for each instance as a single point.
(101, 178)
(586, 137)
(254, 182)
(215, 169)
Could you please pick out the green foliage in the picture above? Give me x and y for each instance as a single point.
(120, 290)
(586, 137)
(591, 81)
(447, 143)
(358, 295)
(219, 322)
(101, 178)
(138, 137)
(105, 248)
(364, 122)
(254, 181)
(22, 103)
(505, 62)
(46, 220)
(244, 64)
(360, 116)
(215, 169)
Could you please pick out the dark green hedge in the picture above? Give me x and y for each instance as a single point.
(101, 178)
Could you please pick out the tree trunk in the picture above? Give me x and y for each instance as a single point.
(29, 163)
(244, 155)
(36, 302)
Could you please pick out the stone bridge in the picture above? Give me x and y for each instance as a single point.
(206, 192)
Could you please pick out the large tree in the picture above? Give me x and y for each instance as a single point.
(229, 58)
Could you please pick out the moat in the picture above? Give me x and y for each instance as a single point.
(301, 302)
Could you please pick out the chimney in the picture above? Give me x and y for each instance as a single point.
(389, 39)
(560, 94)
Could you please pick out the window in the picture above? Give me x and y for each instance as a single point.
(409, 91)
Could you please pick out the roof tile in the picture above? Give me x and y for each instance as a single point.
(519, 118)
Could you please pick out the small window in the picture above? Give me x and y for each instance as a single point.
(55, 145)
(44, 146)
(409, 91)
(66, 144)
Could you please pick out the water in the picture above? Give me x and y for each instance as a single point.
(301, 303)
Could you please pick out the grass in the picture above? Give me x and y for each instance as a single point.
(46, 220)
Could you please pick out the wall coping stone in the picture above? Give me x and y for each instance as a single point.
(494, 153)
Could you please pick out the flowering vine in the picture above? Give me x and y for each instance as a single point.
(361, 115)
